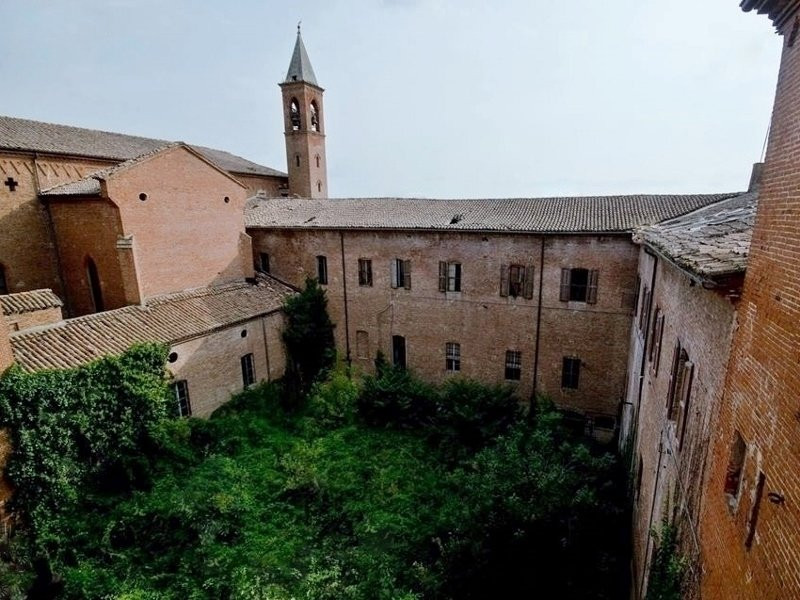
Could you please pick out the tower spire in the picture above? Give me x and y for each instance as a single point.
(300, 66)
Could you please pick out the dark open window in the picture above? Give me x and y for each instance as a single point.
(733, 474)
(365, 272)
(452, 356)
(263, 262)
(314, 118)
(399, 351)
(248, 370)
(513, 365)
(3, 281)
(95, 290)
(570, 372)
(322, 270)
(183, 406)
(294, 115)
(516, 281)
(579, 285)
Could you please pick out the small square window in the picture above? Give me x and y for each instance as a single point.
(364, 272)
(322, 270)
(248, 370)
(452, 353)
(513, 365)
(182, 405)
(570, 372)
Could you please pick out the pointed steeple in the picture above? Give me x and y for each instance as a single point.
(300, 66)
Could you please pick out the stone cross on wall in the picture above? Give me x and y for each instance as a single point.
(12, 185)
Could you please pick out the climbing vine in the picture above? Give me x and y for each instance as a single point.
(667, 567)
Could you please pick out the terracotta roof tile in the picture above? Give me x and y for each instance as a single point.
(171, 319)
(539, 215)
(24, 302)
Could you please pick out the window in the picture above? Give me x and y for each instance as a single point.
(362, 344)
(579, 285)
(3, 281)
(452, 356)
(401, 273)
(513, 365)
(263, 262)
(399, 351)
(322, 270)
(644, 312)
(365, 272)
(570, 372)
(183, 406)
(314, 117)
(297, 160)
(516, 280)
(449, 276)
(655, 341)
(639, 471)
(94, 285)
(294, 116)
(733, 475)
(319, 186)
(248, 370)
(316, 158)
(680, 389)
(753, 520)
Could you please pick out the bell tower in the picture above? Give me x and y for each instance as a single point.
(303, 124)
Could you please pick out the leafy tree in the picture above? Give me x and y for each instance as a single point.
(667, 567)
(308, 335)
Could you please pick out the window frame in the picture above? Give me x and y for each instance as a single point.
(450, 276)
(452, 357)
(365, 272)
(248, 365)
(181, 390)
(513, 365)
(516, 280)
(400, 273)
(570, 372)
(263, 262)
(322, 269)
(567, 291)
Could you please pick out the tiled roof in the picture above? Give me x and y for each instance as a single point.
(24, 302)
(171, 319)
(711, 242)
(23, 134)
(300, 66)
(540, 215)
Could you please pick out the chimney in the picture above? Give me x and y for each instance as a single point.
(755, 177)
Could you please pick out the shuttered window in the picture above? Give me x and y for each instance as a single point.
(516, 281)
(449, 276)
(364, 272)
(579, 285)
(655, 341)
(400, 273)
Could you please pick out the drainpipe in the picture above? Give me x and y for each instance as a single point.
(344, 286)
(538, 326)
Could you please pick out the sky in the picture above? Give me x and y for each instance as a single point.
(431, 98)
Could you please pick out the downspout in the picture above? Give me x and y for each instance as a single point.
(266, 345)
(538, 326)
(346, 315)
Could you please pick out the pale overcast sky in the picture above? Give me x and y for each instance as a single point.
(438, 98)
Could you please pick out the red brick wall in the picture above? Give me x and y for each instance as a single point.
(268, 186)
(305, 144)
(483, 322)
(33, 319)
(763, 384)
(6, 355)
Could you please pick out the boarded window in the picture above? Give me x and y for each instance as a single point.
(570, 372)
(516, 281)
(362, 344)
(449, 276)
(452, 356)
(513, 370)
(733, 474)
(183, 406)
(263, 262)
(579, 285)
(322, 270)
(248, 370)
(364, 272)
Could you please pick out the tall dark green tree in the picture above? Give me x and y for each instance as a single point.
(308, 335)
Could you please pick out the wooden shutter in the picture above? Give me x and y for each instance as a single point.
(442, 276)
(685, 394)
(504, 280)
(527, 288)
(659, 336)
(591, 292)
(393, 272)
(565, 278)
(673, 374)
(407, 274)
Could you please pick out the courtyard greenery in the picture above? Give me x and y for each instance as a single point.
(366, 488)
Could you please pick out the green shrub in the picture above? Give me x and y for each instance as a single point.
(332, 402)
(396, 398)
(667, 567)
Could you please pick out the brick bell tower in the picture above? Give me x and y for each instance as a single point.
(303, 123)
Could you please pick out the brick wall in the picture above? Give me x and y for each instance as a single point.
(36, 318)
(304, 145)
(670, 483)
(268, 186)
(763, 386)
(211, 364)
(484, 323)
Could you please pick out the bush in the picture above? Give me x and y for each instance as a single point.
(395, 398)
(332, 403)
(667, 567)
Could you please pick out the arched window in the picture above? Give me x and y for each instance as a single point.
(94, 285)
(317, 159)
(3, 281)
(314, 116)
(294, 114)
(297, 160)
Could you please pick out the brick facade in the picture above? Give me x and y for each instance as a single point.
(483, 322)
(751, 538)
(305, 149)
(36, 318)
